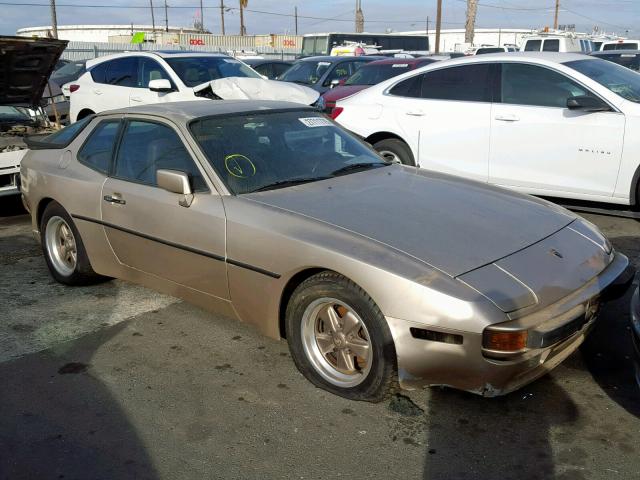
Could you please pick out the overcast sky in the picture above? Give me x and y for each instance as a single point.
(611, 15)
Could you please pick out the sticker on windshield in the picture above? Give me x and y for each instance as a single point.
(400, 65)
(324, 64)
(315, 122)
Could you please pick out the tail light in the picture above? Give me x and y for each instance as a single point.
(73, 87)
(504, 341)
(336, 111)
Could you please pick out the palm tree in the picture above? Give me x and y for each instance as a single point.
(243, 5)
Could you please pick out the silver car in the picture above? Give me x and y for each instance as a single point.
(378, 275)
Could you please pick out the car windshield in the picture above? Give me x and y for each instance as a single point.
(374, 74)
(9, 114)
(197, 70)
(307, 73)
(70, 69)
(618, 79)
(265, 151)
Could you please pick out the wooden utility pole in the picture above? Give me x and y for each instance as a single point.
(555, 18)
(243, 4)
(54, 19)
(201, 18)
(438, 25)
(295, 13)
(166, 16)
(222, 15)
(470, 24)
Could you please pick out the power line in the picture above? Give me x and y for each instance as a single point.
(192, 7)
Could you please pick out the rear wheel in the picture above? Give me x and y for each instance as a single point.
(395, 150)
(63, 249)
(340, 340)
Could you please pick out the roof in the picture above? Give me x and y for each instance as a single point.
(542, 57)
(402, 61)
(160, 53)
(337, 58)
(189, 110)
(261, 61)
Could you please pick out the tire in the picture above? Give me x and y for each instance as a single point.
(395, 150)
(63, 249)
(321, 352)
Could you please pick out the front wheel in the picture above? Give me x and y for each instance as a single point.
(395, 151)
(339, 339)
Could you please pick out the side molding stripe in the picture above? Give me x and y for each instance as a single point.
(214, 256)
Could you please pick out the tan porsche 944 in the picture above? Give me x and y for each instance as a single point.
(378, 275)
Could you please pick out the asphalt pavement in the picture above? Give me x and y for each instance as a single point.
(115, 381)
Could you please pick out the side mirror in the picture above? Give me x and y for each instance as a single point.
(175, 181)
(335, 82)
(587, 103)
(160, 85)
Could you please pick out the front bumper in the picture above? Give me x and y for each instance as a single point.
(425, 362)
(635, 332)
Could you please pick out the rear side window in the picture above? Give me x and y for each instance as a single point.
(524, 84)
(122, 72)
(551, 45)
(147, 147)
(408, 88)
(264, 69)
(98, 148)
(64, 137)
(468, 83)
(532, 45)
(99, 72)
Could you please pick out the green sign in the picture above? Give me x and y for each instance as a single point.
(138, 37)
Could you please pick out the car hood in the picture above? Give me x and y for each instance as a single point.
(453, 224)
(337, 93)
(25, 66)
(243, 88)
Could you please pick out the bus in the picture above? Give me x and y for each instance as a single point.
(314, 44)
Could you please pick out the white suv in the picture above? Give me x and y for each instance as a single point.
(551, 124)
(135, 78)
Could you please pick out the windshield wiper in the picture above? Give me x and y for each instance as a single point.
(287, 183)
(354, 167)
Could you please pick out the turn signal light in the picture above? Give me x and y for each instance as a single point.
(336, 111)
(73, 87)
(504, 341)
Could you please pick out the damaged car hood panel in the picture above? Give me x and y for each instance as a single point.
(241, 88)
(25, 66)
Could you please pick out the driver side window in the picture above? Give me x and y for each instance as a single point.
(147, 147)
(524, 84)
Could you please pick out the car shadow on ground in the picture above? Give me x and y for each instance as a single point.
(470, 437)
(60, 421)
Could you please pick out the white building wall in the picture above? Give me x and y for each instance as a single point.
(95, 33)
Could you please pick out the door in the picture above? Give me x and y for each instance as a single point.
(540, 146)
(112, 83)
(147, 227)
(149, 69)
(445, 118)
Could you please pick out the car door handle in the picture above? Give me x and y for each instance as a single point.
(97, 92)
(415, 113)
(115, 198)
(136, 99)
(507, 118)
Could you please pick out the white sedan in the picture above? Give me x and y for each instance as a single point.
(552, 124)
